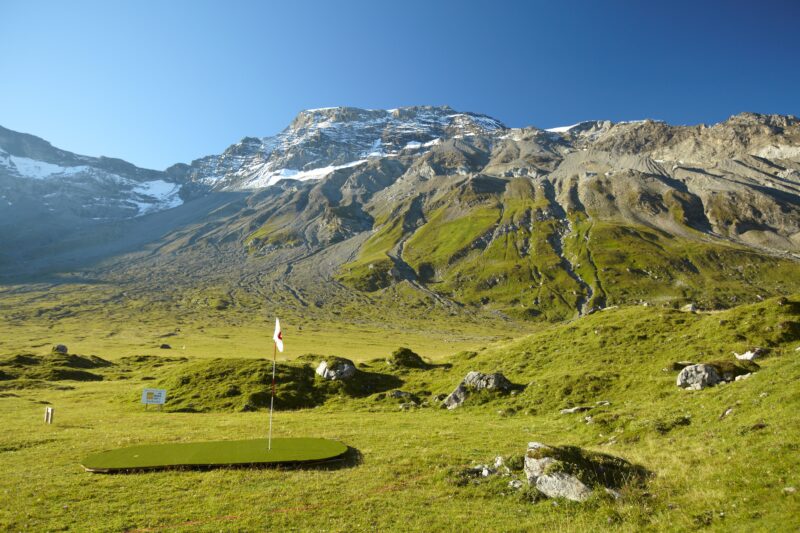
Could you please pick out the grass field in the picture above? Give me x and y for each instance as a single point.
(730, 472)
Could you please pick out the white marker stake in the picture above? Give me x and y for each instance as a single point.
(277, 339)
(48, 415)
(272, 398)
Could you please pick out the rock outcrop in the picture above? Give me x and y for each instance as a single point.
(696, 377)
(574, 474)
(700, 376)
(477, 381)
(337, 369)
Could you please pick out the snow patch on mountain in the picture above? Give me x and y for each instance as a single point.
(288, 173)
(37, 170)
(159, 195)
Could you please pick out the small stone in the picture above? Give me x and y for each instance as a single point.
(165, 347)
(588, 419)
(749, 355)
(789, 490)
(515, 484)
(689, 308)
(613, 493)
(603, 402)
(727, 411)
(60, 348)
(763, 395)
(743, 377)
(577, 409)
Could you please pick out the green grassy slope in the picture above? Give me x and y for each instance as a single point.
(726, 472)
(510, 247)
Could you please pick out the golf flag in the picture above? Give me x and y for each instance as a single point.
(278, 336)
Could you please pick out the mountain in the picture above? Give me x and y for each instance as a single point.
(33, 171)
(349, 205)
(320, 141)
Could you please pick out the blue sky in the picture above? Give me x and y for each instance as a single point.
(160, 82)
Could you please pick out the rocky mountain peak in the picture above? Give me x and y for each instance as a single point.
(319, 141)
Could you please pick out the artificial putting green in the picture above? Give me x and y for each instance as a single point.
(215, 454)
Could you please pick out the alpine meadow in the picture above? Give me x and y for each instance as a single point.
(416, 318)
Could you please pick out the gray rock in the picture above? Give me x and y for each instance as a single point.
(515, 484)
(556, 484)
(408, 406)
(475, 381)
(480, 381)
(698, 377)
(398, 394)
(743, 377)
(481, 471)
(689, 308)
(562, 485)
(749, 355)
(577, 409)
(60, 348)
(536, 461)
(456, 398)
(337, 370)
(571, 473)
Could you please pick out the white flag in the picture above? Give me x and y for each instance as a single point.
(278, 336)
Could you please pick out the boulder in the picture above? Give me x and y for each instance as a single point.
(476, 381)
(456, 398)
(562, 485)
(60, 348)
(166, 347)
(556, 484)
(479, 381)
(696, 377)
(338, 369)
(689, 308)
(573, 473)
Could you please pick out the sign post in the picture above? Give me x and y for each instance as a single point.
(154, 396)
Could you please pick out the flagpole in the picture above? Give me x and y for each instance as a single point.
(272, 397)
